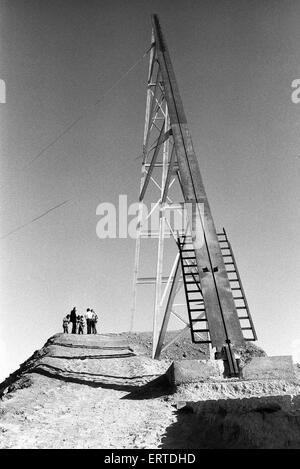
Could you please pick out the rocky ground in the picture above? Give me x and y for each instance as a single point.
(105, 391)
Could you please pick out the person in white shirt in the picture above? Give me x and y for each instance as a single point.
(89, 317)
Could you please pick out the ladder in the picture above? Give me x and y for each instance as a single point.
(193, 294)
(237, 288)
(195, 303)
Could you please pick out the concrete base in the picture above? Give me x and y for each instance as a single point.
(259, 368)
(193, 371)
(276, 367)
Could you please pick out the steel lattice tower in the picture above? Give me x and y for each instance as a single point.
(204, 258)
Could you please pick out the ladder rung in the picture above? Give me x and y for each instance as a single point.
(235, 288)
(238, 298)
(187, 250)
(240, 307)
(205, 341)
(202, 341)
(189, 282)
(226, 255)
(228, 263)
(200, 330)
(196, 310)
(231, 271)
(246, 328)
(244, 317)
(196, 320)
(194, 300)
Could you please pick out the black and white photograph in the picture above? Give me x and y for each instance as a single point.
(149, 227)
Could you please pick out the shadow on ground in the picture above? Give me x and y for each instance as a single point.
(158, 387)
(249, 424)
(90, 357)
(87, 382)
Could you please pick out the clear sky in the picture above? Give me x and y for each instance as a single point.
(234, 61)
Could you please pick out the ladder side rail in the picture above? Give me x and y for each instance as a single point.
(185, 290)
(241, 287)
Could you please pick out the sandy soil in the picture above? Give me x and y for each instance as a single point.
(105, 391)
(82, 393)
(56, 414)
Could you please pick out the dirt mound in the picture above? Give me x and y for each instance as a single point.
(94, 359)
(249, 351)
(86, 348)
(105, 391)
(85, 392)
(181, 348)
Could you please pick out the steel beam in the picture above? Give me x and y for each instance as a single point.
(221, 312)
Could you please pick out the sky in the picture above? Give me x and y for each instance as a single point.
(83, 62)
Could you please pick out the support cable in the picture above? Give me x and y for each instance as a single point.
(79, 118)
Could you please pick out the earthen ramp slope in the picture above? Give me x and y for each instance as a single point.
(105, 391)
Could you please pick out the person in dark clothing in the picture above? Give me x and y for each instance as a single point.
(73, 318)
(77, 323)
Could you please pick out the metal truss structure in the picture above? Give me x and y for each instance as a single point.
(200, 261)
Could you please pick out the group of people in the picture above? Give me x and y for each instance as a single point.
(79, 322)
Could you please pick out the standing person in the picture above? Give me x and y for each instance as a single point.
(81, 325)
(88, 320)
(73, 320)
(66, 321)
(77, 323)
(94, 321)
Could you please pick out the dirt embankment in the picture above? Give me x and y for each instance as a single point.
(105, 391)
